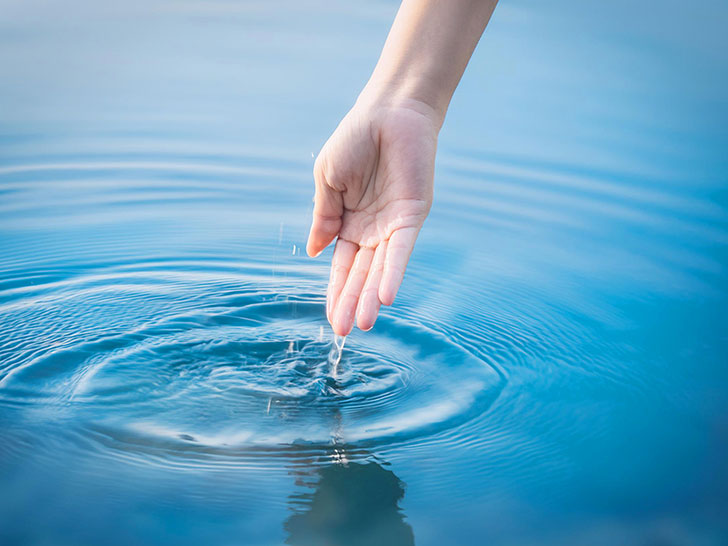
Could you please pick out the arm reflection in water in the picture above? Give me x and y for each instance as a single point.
(353, 504)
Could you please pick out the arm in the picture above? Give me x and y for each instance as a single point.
(427, 50)
(374, 176)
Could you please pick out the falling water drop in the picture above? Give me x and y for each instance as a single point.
(335, 354)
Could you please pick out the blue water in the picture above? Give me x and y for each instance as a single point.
(554, 370)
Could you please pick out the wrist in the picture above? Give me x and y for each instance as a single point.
(403, 92)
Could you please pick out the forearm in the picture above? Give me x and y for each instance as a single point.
(426, 52)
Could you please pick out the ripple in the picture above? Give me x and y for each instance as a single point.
(179, 332)
(212, 370)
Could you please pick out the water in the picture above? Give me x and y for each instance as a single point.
(554, 368)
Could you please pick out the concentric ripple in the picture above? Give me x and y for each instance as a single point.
(251, 369)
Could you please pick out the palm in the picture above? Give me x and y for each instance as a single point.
(373, 191)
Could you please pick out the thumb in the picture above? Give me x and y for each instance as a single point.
(328, 208)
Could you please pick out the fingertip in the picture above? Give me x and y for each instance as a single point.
(342, 328)
(320, 235)
(368, 310)
(387, 295)
(343, 320)
(315, 244)
(312, 251)
(366, 323)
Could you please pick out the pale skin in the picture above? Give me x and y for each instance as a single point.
(374, 176)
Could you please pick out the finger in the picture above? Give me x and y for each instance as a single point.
(343, 258)
(369, 302)
(349, 297)
(399, 250)
(327, 210)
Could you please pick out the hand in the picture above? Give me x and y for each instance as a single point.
(374, 181)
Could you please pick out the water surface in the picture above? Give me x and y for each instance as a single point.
(554, 368)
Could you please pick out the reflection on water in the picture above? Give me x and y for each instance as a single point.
(353, 503)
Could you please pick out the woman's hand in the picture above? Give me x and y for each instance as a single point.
(374, 182)
(374, 175)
